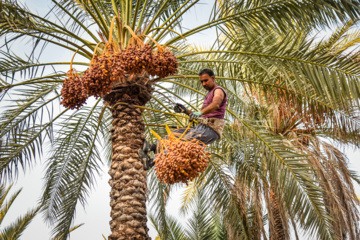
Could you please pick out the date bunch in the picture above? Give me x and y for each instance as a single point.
(180, 161)
(73, 93)
(115, 66)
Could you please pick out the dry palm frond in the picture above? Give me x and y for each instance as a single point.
(279, 227)
(330, 168)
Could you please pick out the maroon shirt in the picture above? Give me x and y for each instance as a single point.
(218, 113)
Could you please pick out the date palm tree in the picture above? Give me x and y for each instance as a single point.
(294, 103)
(32, 120)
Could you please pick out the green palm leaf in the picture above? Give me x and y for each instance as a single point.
(16, 229)
(69, 176)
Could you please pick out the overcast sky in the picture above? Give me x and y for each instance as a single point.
(96, 217)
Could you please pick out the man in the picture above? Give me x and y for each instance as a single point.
(211, 117)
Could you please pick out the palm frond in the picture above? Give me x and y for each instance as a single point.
(200, 225)
(24, 127)
(14, 230)
(280, 15)
(176, 231)
(72, 167)
(3, 194)
(25, 23)
(27, 68)
(277, 15)
(158, 198)
(70, 230)
(289, 173)
(331, 170)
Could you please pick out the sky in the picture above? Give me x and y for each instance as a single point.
(96, 216)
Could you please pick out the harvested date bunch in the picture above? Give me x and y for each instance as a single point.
(180, 161)
(73, 93)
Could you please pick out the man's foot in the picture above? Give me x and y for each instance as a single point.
(146, 160)
(146, 147)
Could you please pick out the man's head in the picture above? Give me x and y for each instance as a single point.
(207, 79)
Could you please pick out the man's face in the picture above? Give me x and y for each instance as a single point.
(207, 82)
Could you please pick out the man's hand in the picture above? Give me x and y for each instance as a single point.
(179, 108)
(195, 115)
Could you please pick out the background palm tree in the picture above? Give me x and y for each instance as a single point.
(285, 134)
(77, 138)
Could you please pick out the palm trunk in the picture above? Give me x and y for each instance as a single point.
(278, 230)
(128, 179)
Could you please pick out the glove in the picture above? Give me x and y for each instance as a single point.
(179, 108)
(195, 115)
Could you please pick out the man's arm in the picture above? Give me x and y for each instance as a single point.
(215, 104)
